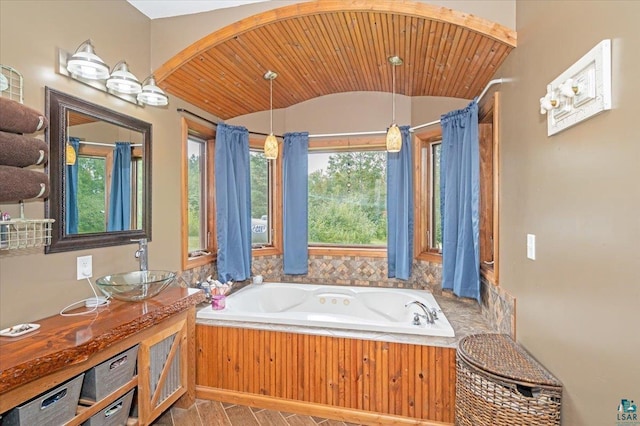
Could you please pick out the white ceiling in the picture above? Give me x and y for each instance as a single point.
(166, 8)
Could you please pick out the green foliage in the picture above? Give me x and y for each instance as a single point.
(347, 201)
(336, 222)
(91, 195)
(259, 185)
(195, 195)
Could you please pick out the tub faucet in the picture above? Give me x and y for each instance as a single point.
(430, 315)
(142, 253)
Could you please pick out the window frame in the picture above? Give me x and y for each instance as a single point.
(489, 140)
(275, 202)
(208, 134)
(423, 190)
(367, 143)
(489, 135)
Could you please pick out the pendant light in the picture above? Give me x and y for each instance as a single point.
(123, 81)
(152, 94)
(70, 154)
(394, 138)
(271, 143)
(86, 64)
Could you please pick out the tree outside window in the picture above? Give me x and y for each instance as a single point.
(347, 198)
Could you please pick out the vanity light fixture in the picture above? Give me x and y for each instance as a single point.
(151, 94)
(86, 64)
(86, 67)
(123, 81)
(394, 138)
(271, 143)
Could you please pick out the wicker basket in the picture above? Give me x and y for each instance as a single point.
(499, 383)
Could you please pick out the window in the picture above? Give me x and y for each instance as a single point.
(198, 208)
(428, 219)
(92, 193)
(261, 216)
(347, 199)
(266, 201)
(435, 217)
(197, 194)
(94, 187)
(427, 234)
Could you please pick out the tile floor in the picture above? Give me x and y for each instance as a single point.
(214, 413)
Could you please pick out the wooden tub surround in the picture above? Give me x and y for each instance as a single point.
(335, 376)
(64, 347)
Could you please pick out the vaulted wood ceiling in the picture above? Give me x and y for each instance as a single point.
(331, 46)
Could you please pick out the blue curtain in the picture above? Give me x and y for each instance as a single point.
(233, 202)
(120, 198)
(295, 202)
(400, 209)
(460, 189)
(71, 200)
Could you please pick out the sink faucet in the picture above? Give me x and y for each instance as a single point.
(142, 254)
(430, 315)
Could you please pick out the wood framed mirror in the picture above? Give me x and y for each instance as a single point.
(99, 197)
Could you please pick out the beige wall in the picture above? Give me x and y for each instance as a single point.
(578, 303)
(34, 285)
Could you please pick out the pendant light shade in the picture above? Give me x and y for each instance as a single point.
(394, 138)
(123, 81)
(86, 64)
(152, 94)
(70, 155)
(271, 143)
(271, 147)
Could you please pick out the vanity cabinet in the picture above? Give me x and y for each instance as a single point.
(162, 327)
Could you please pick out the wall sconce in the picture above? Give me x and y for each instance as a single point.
(87, 67)
(580, 92)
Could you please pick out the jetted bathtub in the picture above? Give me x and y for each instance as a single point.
(326, 306)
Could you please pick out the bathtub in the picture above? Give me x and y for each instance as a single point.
(336, 307)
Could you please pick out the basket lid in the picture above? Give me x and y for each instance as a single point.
(498, 354)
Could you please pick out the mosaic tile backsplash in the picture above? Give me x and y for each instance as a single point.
(499, 307)
(351, 270)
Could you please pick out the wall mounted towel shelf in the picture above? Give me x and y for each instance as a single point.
(25, 233)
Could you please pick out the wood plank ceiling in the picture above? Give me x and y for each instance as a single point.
(326, 47)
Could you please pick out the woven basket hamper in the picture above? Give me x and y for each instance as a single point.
(499, 383)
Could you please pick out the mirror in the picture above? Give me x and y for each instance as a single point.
(100, 172)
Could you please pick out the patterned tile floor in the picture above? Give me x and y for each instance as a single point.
(213, 413)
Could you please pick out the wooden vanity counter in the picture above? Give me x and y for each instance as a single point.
(66, 343)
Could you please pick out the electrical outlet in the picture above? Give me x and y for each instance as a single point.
(531, 246)
(84, 267)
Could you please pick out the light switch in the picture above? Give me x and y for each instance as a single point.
(531, 246)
